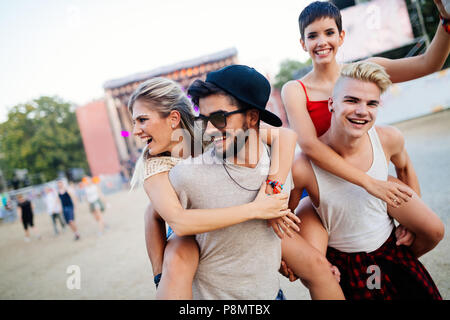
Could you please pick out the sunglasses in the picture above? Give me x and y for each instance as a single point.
(218, 119)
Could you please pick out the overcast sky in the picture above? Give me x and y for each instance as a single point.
(70, 48)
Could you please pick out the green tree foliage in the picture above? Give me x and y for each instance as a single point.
(43, 137)
(287, 70)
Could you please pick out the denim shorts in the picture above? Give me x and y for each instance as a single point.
(304, 194)
(68, 214)
(280, 295)
(169, 233)
(97, 204)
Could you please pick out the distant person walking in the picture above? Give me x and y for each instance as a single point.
(96, 205)
(25, 211)
(53, 208)
(79, 191)
(68, 207)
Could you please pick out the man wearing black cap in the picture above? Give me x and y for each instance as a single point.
(241, 261)
(232, 100)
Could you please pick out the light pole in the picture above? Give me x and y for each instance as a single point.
(422, 24)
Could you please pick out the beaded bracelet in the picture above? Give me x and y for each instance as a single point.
(276, 185)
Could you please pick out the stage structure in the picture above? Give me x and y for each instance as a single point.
(118, 91)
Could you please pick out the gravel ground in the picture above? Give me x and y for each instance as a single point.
(115, 265)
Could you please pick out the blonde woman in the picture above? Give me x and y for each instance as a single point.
(164, 118)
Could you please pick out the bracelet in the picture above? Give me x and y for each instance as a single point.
(157, 279)
(276, 185)
(445, 24)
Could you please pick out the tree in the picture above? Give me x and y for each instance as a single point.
(43, 137)
(287, 70)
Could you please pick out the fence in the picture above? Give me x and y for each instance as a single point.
(109, 184)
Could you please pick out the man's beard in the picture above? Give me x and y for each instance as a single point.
(239, 141)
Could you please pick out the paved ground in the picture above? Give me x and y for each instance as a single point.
(115, 265)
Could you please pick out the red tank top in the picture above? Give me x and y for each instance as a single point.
(319, 113)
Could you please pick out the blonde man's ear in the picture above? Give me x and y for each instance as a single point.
(330, 104)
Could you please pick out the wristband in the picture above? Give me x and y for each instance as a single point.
(276, 186)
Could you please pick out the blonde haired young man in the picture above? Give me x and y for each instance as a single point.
(354, 224)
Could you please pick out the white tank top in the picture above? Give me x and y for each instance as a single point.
(91, 193)
(355, 220)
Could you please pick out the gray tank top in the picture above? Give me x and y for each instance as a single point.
(240, 261)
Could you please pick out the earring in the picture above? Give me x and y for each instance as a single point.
(173, 126)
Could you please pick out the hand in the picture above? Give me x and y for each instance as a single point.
(270, 206)
(287, 272)
(404, 236)
(285, 225)
(392, 193)
(441, 9)
(336, 273)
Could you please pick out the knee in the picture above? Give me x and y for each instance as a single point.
(319, 268)
(321, 264)
(439, 232)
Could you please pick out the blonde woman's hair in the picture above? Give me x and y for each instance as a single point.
(165, 96)
(367, 71)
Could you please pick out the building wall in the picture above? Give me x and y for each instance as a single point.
(98, 139)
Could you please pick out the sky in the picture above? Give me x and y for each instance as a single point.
(71, 48)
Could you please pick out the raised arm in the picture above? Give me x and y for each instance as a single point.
(323, 156)
(431, 61)
(193, 221)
